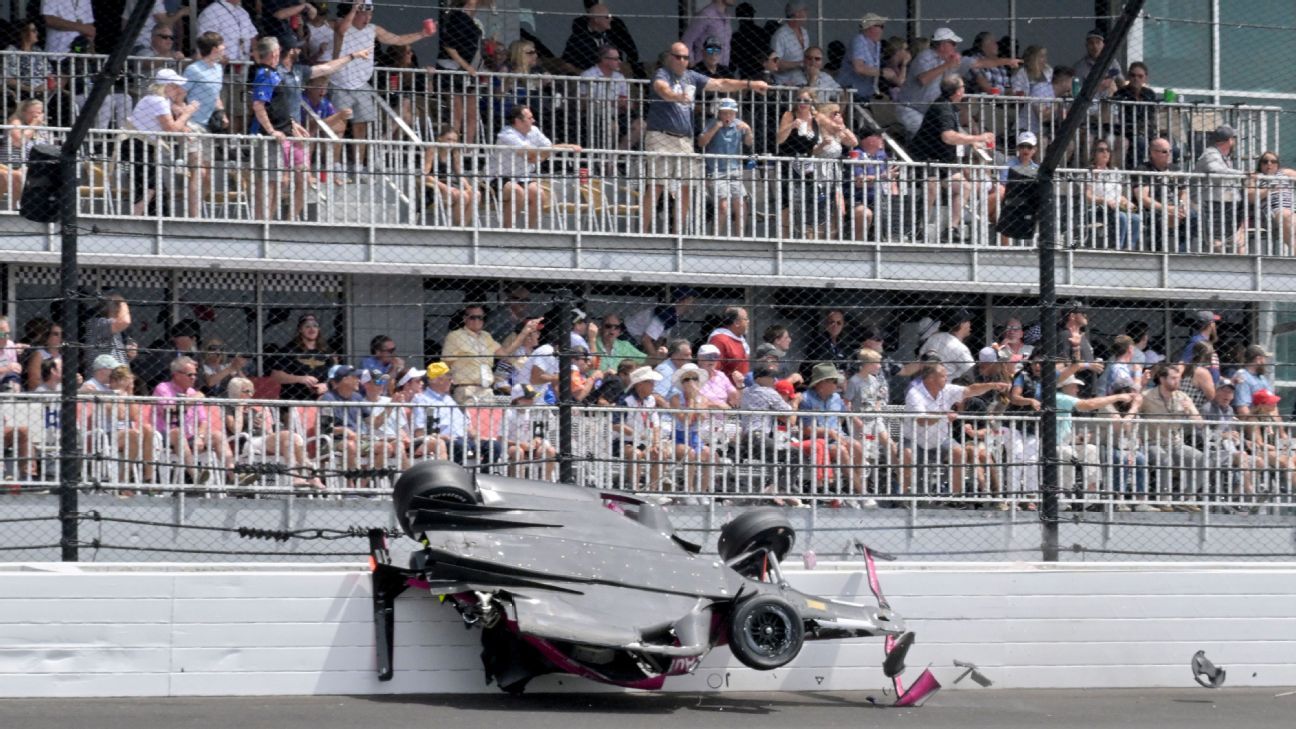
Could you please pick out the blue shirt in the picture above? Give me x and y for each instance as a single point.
(204, 87)
(811, 401)
(345, 417)
(868, 51)
(729, 141)
(1246, 386)
(323, 110)
(1065, 406)
(672, 116)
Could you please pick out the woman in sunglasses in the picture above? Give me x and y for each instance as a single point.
(1272, 196)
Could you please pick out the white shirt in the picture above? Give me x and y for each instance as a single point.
(319, 42)
(235, 26)
(546, 359)
(788, 46)
(145, 115)
(645, 322)
(356, 74)
(76, 11)
(605, 88)
(954, 354)
(919, 400)
(514, 165)
(520, 423)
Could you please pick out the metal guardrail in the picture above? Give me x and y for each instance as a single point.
(231, 177)
(856, 458)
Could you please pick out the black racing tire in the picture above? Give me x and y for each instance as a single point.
(765, 527)
(438, 480)
(765, 632)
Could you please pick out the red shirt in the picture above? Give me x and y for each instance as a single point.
(733, 355)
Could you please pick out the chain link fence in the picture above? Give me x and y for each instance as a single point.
(825, 259)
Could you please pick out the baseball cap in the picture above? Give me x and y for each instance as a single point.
(1223, 132)
(1096, 33)
(1264, 397)
(410, 374)
(711, 42)
(784, 388)
(340, 371)
(1027, 138)
(167, 76)
(988, 355)
(945, 34)
(708, 351)
(1206, 317)
(376, 377)
(1254, 350)
(871, 19)
(766, 349)
(105, 362)
(727, 104)
(765, 370)
(437, 369)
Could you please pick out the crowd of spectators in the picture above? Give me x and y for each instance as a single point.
(1132, 422)
(275, 69)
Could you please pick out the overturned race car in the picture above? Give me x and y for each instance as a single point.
(564, 579)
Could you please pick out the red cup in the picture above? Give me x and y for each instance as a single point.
(429, 27)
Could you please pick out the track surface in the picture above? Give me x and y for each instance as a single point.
(1152, 709)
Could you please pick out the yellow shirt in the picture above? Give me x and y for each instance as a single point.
(471, 357)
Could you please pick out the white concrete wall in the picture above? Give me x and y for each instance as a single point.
(149, 630)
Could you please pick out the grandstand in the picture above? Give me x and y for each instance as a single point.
(400, 202)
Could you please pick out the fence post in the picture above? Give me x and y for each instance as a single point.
(565, 306)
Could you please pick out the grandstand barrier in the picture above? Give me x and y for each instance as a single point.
(92, 630)
(242, 178)
(855, 459)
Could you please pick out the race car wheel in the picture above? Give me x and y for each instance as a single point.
(765, 632)
(765, 528)
(432, 480)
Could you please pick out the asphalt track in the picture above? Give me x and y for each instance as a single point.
(973, 709)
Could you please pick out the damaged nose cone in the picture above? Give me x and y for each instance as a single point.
(1205, 673)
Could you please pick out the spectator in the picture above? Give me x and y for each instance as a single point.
(1107, 194)
(834, 139)
(690, 424)
(445, 183)
(864, 64)
(990, 72)
(319, 34)
(778, 337)
(1136, 115)
(382, 356)
(761, 396)
(354, 37)
(1196, 380)
(64, 21)
(281, 19)
(27, 73)
(618, 35)
(923, 83)
(161, 49)
(1165, 200)
(611, 346)
(582, 49)
(678, 353)
(798, 137)
(215, 372)
(949, 345)
(1095, 40)
(872, 183)
(719, 391)
(448, 422)
(526, 84)
(614, 385)
(163, 109)
(11, 354)
(344, 424)
(1123, 371)
(608, 94)
(1034, 80)
(386, 438)
(1269, 441)
(1225, 444)
(897, 374)
(136, 439)
(1205, 325)
(750, 52)
(23, 134)
(315, 97)
(936, 140)
(710, 28)
(828, 344)
(929, 437)
(470, 352)
(1167, 447)
(1223, 192)
(1073, 342)
(1143, 353)
(251, 428)
(229, 19)
(155, 366)
(789, 43)
(650, 327)
(710, 65)
(636, 434)
(44, 340)
(1251, 378)
(825, 88)
(100, 370)
(204, 77)
(104, 334)
(503, 321)
(1073, 447)
(670, 128)
(524, 430)
(51, 377)
(512, 173)
(411, 418)
(540, 370)
(1011, 339)
(180, 414)
(1272, 189)
(275, 109)
(895, 68)
(731, 339)
(301, 367)
(867, 391)
(1020, 173)
(460, 52)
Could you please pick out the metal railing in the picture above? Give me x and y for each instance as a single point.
(855, 458)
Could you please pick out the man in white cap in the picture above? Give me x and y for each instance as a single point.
(863, 66)
(725, 138)
(923, 83)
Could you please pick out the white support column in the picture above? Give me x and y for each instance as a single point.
(1215, 50)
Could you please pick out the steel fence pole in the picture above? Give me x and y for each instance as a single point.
(566, 305)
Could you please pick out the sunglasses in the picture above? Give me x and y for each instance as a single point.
(1268, 161)
(611, 58)
(389, 350)
(689, 379)
(531, 52)
(681, 56)
(474, 317)
(713, 49)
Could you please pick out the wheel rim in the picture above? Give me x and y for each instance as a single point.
(768, 632)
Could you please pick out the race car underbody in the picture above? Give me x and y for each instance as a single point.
(597, 584)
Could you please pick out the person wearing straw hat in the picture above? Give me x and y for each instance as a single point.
(636, 433)
(686, 396)
(863, 64)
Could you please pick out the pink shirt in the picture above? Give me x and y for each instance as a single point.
(717, 388)
(166, 413)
